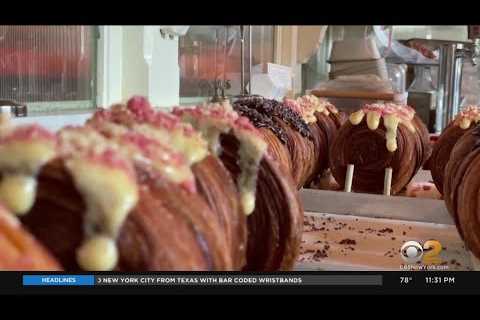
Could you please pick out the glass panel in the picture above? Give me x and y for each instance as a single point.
(213, 52)
(452, 33)
(48, 63)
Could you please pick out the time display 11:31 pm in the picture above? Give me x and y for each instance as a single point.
(438, 280)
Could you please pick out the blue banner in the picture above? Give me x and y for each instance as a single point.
(58, 280)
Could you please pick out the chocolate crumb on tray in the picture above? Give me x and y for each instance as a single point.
(348, 241)
(320, 254)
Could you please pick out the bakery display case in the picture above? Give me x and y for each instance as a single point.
(340, 175)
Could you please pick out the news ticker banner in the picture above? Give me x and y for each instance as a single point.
(302, 282)
(202, 280)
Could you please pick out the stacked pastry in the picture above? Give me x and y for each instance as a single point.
(461, 188)
(376, 137)
(137, 189)
(463, 123)
(298, 132)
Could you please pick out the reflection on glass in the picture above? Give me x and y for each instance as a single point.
(209, 53)
(47, 63)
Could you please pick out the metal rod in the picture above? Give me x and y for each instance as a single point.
(449, 84)
(242, 61)
(349, 178)
(387, 182)
(224, 84)
(249, 59)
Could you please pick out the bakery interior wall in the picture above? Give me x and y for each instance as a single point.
(129, 60)
(316, 69)
(137, 60)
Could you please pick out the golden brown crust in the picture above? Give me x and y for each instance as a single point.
(302, 153)
(19, 250)
(460, 170)
(217, 187)
(277, 149)
(441, 153)
(170, 229)
(275, 227)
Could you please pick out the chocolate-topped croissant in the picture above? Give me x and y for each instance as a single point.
(377, 137)
(463, 123)
(292, 131)
(462, 186)
(298, 131)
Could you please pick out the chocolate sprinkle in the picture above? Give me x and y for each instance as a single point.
(389, 230)
(320, 254)
(261, 121)
(270, 108)
(348, 241)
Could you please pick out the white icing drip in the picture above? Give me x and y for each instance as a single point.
(250, 155)
(20, 162)
(18, 192)
(357, 117)
(373, 120)
(98, 253)
(109, 194)
(392, 115)
(391, 124)
(251, 151)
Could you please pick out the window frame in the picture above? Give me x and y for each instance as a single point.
(107, 82)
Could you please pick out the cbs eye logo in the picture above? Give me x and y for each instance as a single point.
(413, 252)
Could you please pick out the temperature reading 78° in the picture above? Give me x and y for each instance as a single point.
(406, 280)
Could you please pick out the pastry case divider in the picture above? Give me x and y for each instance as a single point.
(375, 206)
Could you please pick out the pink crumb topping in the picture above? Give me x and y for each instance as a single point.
(112, 159)
(165, 120)
(28, 133)
(140, 107)
(292, 104)
(230, 118)
(245, 124)
(138, 110)
(404, 112)
(153, 149)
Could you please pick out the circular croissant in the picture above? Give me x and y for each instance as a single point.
(299, 132)
(461, 188)
(303, 152)
(324, 131)
(137, 190)
(367, 149)
(275, 221)
(167, 230)
(216, 186)
(463, 123)
(213, 181)
(276, 149)
(275, 226)
(274, 122)
(19, 250)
